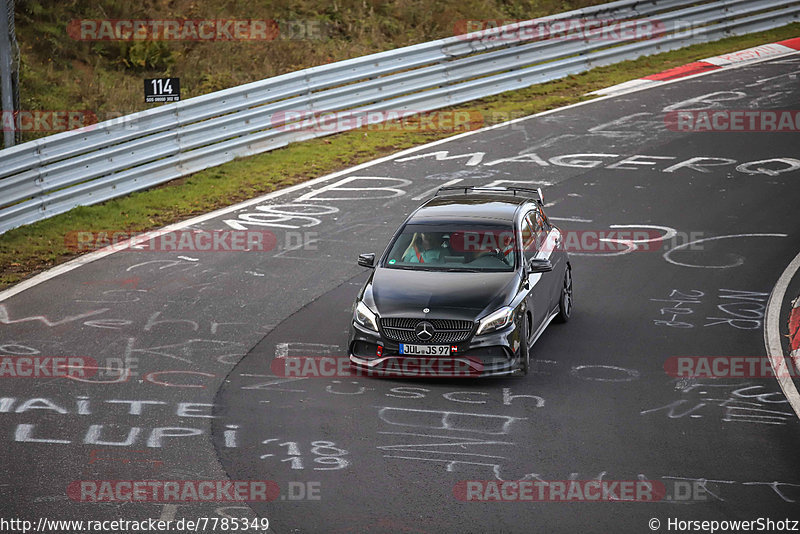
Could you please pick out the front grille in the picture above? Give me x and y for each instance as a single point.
(446, 331)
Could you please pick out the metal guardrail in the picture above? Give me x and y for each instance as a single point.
(54, 174)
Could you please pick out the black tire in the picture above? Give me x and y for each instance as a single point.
(524, 347)
(565, 302)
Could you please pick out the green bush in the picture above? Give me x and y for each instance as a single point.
(148, 55)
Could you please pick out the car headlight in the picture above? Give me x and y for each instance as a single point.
(496, 320)
(366, 317)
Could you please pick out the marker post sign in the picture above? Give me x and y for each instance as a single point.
(162, 90)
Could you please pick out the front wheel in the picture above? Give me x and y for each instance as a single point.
(565, 302)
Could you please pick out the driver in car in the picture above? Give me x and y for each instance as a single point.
(425, 247)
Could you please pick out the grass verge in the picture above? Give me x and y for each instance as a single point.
(30, 249)
(61, 71)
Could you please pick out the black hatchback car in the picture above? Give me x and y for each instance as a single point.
(473, 277)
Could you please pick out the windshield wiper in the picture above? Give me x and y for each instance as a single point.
(416, 267)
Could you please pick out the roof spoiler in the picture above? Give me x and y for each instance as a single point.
(530, 192)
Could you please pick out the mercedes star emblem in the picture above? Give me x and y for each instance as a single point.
(424, 331)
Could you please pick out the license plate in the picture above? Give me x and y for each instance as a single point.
(425, 350)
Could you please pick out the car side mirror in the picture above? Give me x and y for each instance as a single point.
(367, 260)
(539, 265)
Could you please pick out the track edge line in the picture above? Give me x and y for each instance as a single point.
(772, 335)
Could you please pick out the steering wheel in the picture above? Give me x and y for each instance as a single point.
(494, 253)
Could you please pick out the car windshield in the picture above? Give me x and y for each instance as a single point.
(453, 247)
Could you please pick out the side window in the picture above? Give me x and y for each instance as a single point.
(528, 239)
(536, 221)
(545, 221)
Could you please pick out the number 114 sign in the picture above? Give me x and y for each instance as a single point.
(162, 90)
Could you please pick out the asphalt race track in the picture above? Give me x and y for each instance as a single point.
(197, 334)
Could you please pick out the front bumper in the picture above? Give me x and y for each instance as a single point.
(493, 354)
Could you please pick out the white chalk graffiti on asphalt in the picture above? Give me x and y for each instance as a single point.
(441, 445)
(743, 404)
(16, 349)
(705, 102)
(292, 216)
(744, 309)
(101, 434)
(302, 214)
(393, 191)
(323, 452)
(6, 319)
(669, 233)
(690, 245)
(713, 488)
(438, 446)
(633, 162)
(623, 374)
(448, 420)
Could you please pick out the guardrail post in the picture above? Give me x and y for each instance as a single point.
(5, 74)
